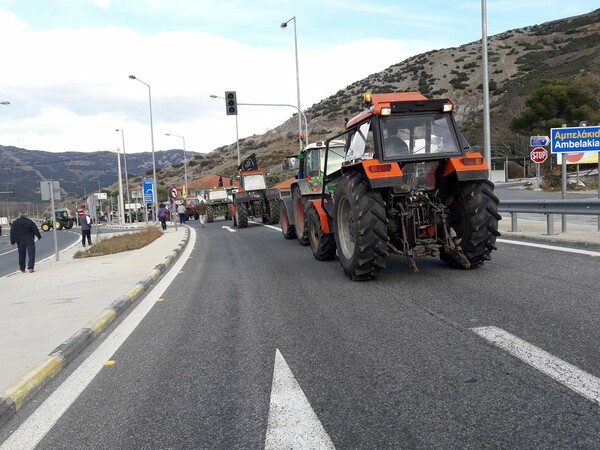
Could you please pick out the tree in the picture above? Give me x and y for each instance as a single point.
(559, 101)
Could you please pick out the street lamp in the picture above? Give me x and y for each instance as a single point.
(284, 25)
(133, 77)
(487, 150)
(5, 103)
(126, 176)
(184, 162)
(121, 208)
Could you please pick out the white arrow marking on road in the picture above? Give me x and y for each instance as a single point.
(231, 230)
(292, 422)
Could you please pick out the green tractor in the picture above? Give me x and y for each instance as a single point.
(218, 204)
(63, 220)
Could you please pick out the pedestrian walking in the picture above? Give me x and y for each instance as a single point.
(202, 211)
(162, 216)
(86, 228)
(22, 234)
(181, 212)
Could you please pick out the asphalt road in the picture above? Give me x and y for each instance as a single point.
(391, 363)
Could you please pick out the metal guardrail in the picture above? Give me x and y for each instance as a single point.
(580, 207)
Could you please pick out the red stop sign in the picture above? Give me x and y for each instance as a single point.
(539, 155)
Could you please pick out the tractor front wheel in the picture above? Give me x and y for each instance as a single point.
(360, 227)
(289, 231)
(45, 227)
(299, 217)
(241, 215)
(210, 214)
(322, 244)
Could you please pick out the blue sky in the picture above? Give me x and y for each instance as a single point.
(66, 69)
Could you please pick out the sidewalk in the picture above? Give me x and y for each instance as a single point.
(50, 315)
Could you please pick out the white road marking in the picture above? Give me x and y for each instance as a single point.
(33, 430)
(228, 228)
(550, 247)
(567, 374)
(292, 422)
(265, 225)
(37, 262)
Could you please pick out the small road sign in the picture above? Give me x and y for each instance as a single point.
(539, 141)
(539, 155)
(173, 193)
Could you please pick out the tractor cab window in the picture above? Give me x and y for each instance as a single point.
(418, 135)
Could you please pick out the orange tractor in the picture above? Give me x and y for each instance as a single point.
(410, 185)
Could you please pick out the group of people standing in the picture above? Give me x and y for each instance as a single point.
(164, 214)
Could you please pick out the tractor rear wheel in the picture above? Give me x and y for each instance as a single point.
(360, 227)
(241, 215)
(69, 225)
(210, 214)
(274, 211)
(299, 217)
(322, 244)
(289, 231)
(473, 218)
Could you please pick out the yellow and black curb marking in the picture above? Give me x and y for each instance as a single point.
(25, 387)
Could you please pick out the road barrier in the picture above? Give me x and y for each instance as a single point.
(580, 207)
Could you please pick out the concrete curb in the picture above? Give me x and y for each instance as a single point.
(25, 387)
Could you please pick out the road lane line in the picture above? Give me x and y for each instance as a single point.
(41, 421)
(292, 423)
(567, 374)
(550, 247)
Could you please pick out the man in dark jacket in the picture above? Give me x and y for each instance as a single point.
(22, 233)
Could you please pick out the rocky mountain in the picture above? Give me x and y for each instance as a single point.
(22, 170)
(518, 60)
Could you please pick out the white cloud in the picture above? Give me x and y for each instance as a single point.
(69, 88)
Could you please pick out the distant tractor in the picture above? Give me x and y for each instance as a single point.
(253, 199)
(409, 184)
(218, 203)
(307, 186)
(63, 220)
(191, 208)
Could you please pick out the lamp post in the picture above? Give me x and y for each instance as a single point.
(5, 103)
(486, 91)
(133, 77)
(184, 163)
(126, 176)
(284, 25)
(121, 208)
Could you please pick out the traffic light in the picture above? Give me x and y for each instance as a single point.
(231, 103)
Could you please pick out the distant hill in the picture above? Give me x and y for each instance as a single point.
(518, 60)
(22, 170)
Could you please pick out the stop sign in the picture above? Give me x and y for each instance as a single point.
(539, 155)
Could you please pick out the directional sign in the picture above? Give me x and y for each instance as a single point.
(539, 155)
(148, 188)
(539, 141)
(575, 139)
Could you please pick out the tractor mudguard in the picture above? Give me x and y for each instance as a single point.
(287, 201)
(325, 218)
(471, 167)
(379, 174)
